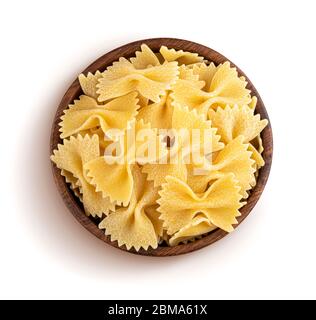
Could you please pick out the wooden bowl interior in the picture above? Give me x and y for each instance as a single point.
(127, 51)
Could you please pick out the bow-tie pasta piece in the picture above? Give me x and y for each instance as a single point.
(186, 73)
(158, 172)
(122, 78)
(112, 175)
(236, 121)
(232, 122)
(198, 226)
(71, 157)
(182, 57)
(144, 58)
(234, 158)
(150, 146)
(256, 147)
(159, 114)
(220, 203)
(104, 141)
(190, 94)
(256, 156)
(173, 165)
(77, 189)
(226, 88)
(113, 180)
(205, 73)
(183, 118)
(138, 224)
(70, 179)
(87, 114)
(73, 183)
(89, 82)
(153, 214)
(186, 148)
(253, 103)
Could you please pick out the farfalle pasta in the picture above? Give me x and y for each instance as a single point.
(112, 175)
(182, 118)
(198, 226)
(220, 203)
(136, 225)
(87, 114)
(122, 78)
(232, 122)
(225, 88)
(144, 58)
(161, 148)
(71, 157)
(89, 83)
(234, 158)
(182, 57)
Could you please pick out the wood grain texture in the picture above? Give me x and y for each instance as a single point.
(128, 51)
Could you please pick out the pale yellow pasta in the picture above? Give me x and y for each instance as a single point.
(186, 73)
(256, 156)
(104, 141)
(205, 73)
(70, 178)
(122, 78)
(226, 88)
(158, 172)
(89, 82)
(256, 147)
(138, 224)
(182, 57)
(220, 203)
(234, 158)
(114, 178)
(189, 94)
(253, 102)
(232, 122)
(71, 156)
(87, 114)
(159, 114)
(144, 58)
(199, 225)
(183, 119)
(154, 142)
(164, 147)
(73, 183)
(257, 143)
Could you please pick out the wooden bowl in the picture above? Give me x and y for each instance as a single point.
(128, 51)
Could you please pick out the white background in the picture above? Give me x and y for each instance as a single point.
(45, 253)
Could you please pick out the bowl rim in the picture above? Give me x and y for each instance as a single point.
(127, 51)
